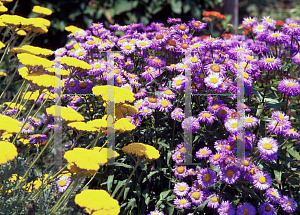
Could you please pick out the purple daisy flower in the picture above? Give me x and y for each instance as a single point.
(262, 180)
(84, 86)
(279, 116)
(268, 22)
(182, 203)
(225, 208)
(219, 143)
(277, 37)
(273, 195)
(267, 209)
(207, 177)
(178, 157)
(141, 93)
(289, 87)
(245, 208)
(164, 105)
(139, 104)
(197, 197)
(60, 52)
(168, 94)
(203, 153)
(270, 63)
(296, 58)
(289, 205)
(11, 111)
(291, 133)
(231, 125)
(277, 127)
(34, 121)
(127, 48)
(192, 172)
(177, 114)
(267, 146)
(216, 159)
(291, 28)
(145, 111)
(230, 174)
(173, 20)
(213, 81)
(178, 83)
(62, 183)
(206, 117)
(250, 121)
(27, 129)
(181, 189)
(190, 124)
(180, 171)
(197, 25)
(72, 86)
(37, 139)
(156, 212)
(249, 22)
(183, 147)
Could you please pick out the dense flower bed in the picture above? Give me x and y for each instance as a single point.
(144, 173)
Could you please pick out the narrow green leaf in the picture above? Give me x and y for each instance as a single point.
(110, 180)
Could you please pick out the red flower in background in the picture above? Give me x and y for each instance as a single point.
(214, 14)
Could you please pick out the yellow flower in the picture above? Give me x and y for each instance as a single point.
(6, 1)
(23, 140)
(2, 24)
(97, 202)
(82, 126)
(42, 10)
(73, 62)
(84, 160)
(120, 95)
(15, 106)
(107, 153)
(36, 184)
(28, 95)
(123, 125)
(3, 9)
(63, 72)
(40, 20)
(6, 136)
(3, 73)
(40, 79)
(14, 20)
(8, 124)
(73, 29)
(33, 50)
(8, 152)
(142, 150)
(98, 123)
(67, 114)
(124, 109)
(21, 32)
(34, 61)
(2, 45)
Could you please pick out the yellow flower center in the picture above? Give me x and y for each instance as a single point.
(90, 42)
(157, 61)
(139, 104)
(26, 127)
(214, 199)
(143, 43)
(246, 75)
(275, 35)
(270, 60)
(194, 60)
(132, 41)
(214, 80)
(146, 111)
(292, 130)
(62, 183)
(245, 162)
(215, 107)
(281, 116)
(215, 68)
(206, 177)
(289, 84)
(245, 211)
(234, 125)
(206, 115)
(181, 188)
(72, 85)
(248, 120)
(196, 195)
(274, 193)
(241, 50)
(178, 82)
(203, 152)
(178, 157)
(236, 66)
(168, 92)
(259, 27)
(216, 157)
(293, 25)
(180, 169)
(289, 203)
(172, 65)
(184, 36)
(97, 66)
(267, 146)
(182, 202)
(128, 47)
(268, 20)
(249, 20)
(119, 80)
(230, 173)
(223, 111)
(262, 179)
(164, 103)
(249, 57)
(80, 53)
(37, 136)
(183, 150)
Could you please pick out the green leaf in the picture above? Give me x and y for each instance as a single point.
(122, 6)
(176, 6)
(120, 184)
(126, 190)
(226, 20)
(131, 203)
(186, 8)
(110, 180)
(156, 10)
(99, 13)
(278, 175)
(294, 153)
(200, 207)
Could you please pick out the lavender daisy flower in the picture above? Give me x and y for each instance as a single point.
(180, 171)
(197, 197)
(213, 81)
(164, 105)
(249, 22)
(173, 20)
(183, 147)
(34, 121)
(273, 195)
(177, 114)
(245, 208)
(216, 159)
(250, 121)
(128, 48)
(289, 205)
(139, 104)
(145, 111)
(152, 102)
(270, 63)
(267, 146)
(37, 139)
(262, 180)
(192, 172)
(289, 87)
(53, 127)
(230, 174)
(27, 129)
(190, 124)
(197, 25)
(11, 111)
(219, 143)
(141, 93)
(72, 86)
(277, 37)
(267, 209)
(203, 153)
(292, 28)
(226, 208)
(296, 58)
(168, 94)
(62, 183)
(277, 127)
(178, 157)
(291, 133)
(259, 28)
(181, 189)
(182, 203)
(206, 177)
(214, 202)
(268, 22)
(84, 86)
(156, 212)
(60, 52)
(279, 116)
(178, 83)
(206, 117)
(231, 125)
